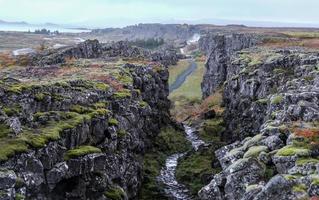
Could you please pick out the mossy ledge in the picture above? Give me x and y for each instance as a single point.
(81, 151)
(50, 131)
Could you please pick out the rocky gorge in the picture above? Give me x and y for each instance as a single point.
(79, 138)
(92, 121)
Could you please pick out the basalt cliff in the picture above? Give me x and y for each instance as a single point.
(76, 126)
(271, 101)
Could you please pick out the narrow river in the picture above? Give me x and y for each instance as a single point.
(182, 77)
(173, 189)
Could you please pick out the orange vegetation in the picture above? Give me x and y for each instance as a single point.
(108, 80)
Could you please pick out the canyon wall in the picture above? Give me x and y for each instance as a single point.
(271, 114)
(80, 139)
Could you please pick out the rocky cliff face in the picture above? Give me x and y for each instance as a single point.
(272, 110)
(219, 48)
(93, 49)
(80, 139)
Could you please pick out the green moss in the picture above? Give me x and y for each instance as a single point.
(253, 141)
(277, 99)
(40, 136)
(79, 109)
(52, 130)
(194, 169)
(153, 162)
(290, 177)
(16, 88)
(212, 129)
(12, 111)
(102, 86)
(58, 97)
(304, 161)
(99, 112)
(62, 84)
(315, 181)
(40, 96)
(115, 193)
(262, 101)
(122, 94)
(10, 147)
(309, 78)
(4, 130)
(113, 122)
(123, 76)
(99, 105)
(300, 188)
(143, 104)
(19, 197)
(171, 141)
(292, 150)
(269, 173)
(255, 151)
(279, 71)
(81, 151)
(121, 133)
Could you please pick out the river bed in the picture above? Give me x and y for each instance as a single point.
(172, 188)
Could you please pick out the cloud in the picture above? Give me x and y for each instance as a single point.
(106, 12)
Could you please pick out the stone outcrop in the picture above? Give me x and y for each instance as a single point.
(218, 49)
(87, 49)
(271, 109)
(79, 139)
(90, 49)
(166, 55)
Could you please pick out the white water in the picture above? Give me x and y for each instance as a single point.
(173, 189)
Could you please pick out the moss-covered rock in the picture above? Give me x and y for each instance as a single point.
(254, 151)
(291, 150)
(115, 193)
(277, 99)
(81, 151)
(195, 169)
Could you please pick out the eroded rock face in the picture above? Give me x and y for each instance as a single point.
(89, 49)
(120, 124)
(272, 110)
(219, 48)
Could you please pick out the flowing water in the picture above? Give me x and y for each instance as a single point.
(173, 189)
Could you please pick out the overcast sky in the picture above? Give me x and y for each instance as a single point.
(123, 12)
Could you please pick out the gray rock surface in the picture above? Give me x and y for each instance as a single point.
(271, 99)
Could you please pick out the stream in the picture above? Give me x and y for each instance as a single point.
(182, 77)
(172, 188)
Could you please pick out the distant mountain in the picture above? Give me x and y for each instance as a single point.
(13, 23)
